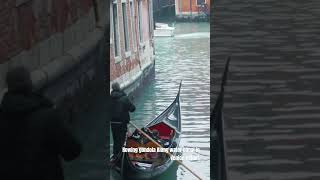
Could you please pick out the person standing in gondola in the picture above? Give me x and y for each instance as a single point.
(120, 117)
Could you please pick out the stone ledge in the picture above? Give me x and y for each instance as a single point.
(58, 66)
(85, 47)
(72, 57)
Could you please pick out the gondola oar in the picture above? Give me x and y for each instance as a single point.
(156, 143)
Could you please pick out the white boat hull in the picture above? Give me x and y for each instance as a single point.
(163, 32)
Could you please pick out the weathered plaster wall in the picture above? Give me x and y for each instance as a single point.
(129, 67)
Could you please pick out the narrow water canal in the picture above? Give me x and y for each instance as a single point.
(184, 57)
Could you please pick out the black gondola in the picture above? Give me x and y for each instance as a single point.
(165, 129)
(221, 171)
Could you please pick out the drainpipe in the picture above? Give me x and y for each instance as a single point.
(190, 8)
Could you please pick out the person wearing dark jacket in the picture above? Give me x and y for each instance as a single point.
(120, 108)
(34, 135)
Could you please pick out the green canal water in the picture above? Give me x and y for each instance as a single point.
(184, 57)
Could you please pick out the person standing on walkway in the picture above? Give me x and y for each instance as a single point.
(33, 134)
(120, 117)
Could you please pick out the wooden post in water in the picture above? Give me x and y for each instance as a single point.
(190, 9)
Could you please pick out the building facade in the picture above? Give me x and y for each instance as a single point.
(131, 42)
(192, 9)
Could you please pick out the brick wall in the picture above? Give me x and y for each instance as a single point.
(9, 42)
(25, 23)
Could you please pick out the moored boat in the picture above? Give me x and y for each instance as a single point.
(163, 30)
(165, 129)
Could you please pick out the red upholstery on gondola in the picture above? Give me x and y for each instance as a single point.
(165, 137)
(165, 131)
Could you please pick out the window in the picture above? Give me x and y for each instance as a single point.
(140, 21)
(133, 30)
(115, 30)
(201, 2)
(125, 26)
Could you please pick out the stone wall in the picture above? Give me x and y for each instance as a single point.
(62, 42)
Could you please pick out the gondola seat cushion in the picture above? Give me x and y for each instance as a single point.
(165, 131)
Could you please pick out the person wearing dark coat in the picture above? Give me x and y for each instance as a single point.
(34, 136)
(120, 117)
